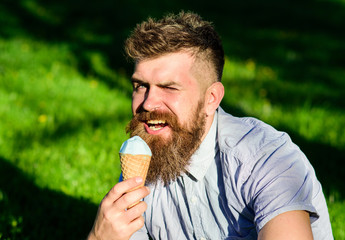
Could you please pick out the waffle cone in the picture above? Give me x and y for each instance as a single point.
(134, 165)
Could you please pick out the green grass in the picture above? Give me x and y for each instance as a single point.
(254, 88)
(61, 129)
(51, 112)
(63, 109)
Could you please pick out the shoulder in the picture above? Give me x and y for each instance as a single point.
(257, 161)
(247, 137)
(250, 148)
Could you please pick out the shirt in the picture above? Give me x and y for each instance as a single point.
(243, 174)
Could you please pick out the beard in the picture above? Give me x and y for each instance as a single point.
(170, 156)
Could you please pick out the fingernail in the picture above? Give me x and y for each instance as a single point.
(138, 179)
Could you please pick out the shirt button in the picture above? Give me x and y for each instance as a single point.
(202, 238)
(194, 200)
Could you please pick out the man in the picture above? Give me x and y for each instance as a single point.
(212, 175)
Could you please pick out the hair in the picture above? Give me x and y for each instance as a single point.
(185, 31)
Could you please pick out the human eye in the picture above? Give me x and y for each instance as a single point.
(139, 86)
(170, 88)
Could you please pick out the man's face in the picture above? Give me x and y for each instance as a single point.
(168, 110)
(165, 84)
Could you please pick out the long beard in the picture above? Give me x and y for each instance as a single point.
(171, 156)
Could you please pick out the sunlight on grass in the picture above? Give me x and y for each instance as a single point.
(337, 219)
(256, 90)
(57, 125)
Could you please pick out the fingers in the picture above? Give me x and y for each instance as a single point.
(136, 224)
(120, 189)
(122, 195)
(130, 199)
(136, 210)
(135, 215)
(114, 219)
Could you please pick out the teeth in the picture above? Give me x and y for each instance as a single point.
(155, 128)
(156, 122)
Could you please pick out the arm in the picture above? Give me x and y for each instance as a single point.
(114, 221)
(287, 226)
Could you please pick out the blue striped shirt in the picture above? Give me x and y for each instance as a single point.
(244, 174)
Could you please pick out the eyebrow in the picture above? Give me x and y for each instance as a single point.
(135, 80)
(167, 84)
(163, 84)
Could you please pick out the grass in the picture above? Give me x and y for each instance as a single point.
(65, 100)
(273, 101)
(61, 129)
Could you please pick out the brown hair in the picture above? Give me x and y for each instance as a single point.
(173, 33)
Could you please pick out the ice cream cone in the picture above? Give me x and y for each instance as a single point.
(135, 156)
(134, 165)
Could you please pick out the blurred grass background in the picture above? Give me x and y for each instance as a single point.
(65, 97)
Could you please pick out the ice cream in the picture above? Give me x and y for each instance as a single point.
(135, 156)
(135, 146)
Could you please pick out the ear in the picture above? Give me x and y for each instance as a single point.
(213, 97)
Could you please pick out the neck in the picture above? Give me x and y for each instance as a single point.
(209, 121)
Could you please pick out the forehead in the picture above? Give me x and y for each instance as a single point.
(173, 66)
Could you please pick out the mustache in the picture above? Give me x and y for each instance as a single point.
(169, 118)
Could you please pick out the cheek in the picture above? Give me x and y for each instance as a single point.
(134, 108)
(182, 108)
(136, 102)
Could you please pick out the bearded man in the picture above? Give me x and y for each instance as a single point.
(212, 175)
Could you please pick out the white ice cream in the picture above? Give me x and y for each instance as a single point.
(135, 145)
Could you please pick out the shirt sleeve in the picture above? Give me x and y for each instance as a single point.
(281, 180)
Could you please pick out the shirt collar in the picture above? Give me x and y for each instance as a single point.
(204, 155)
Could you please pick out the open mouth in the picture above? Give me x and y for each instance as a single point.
(156, 125)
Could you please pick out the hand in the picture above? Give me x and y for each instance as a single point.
(114, 221)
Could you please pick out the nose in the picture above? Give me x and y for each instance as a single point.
(152, 100)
